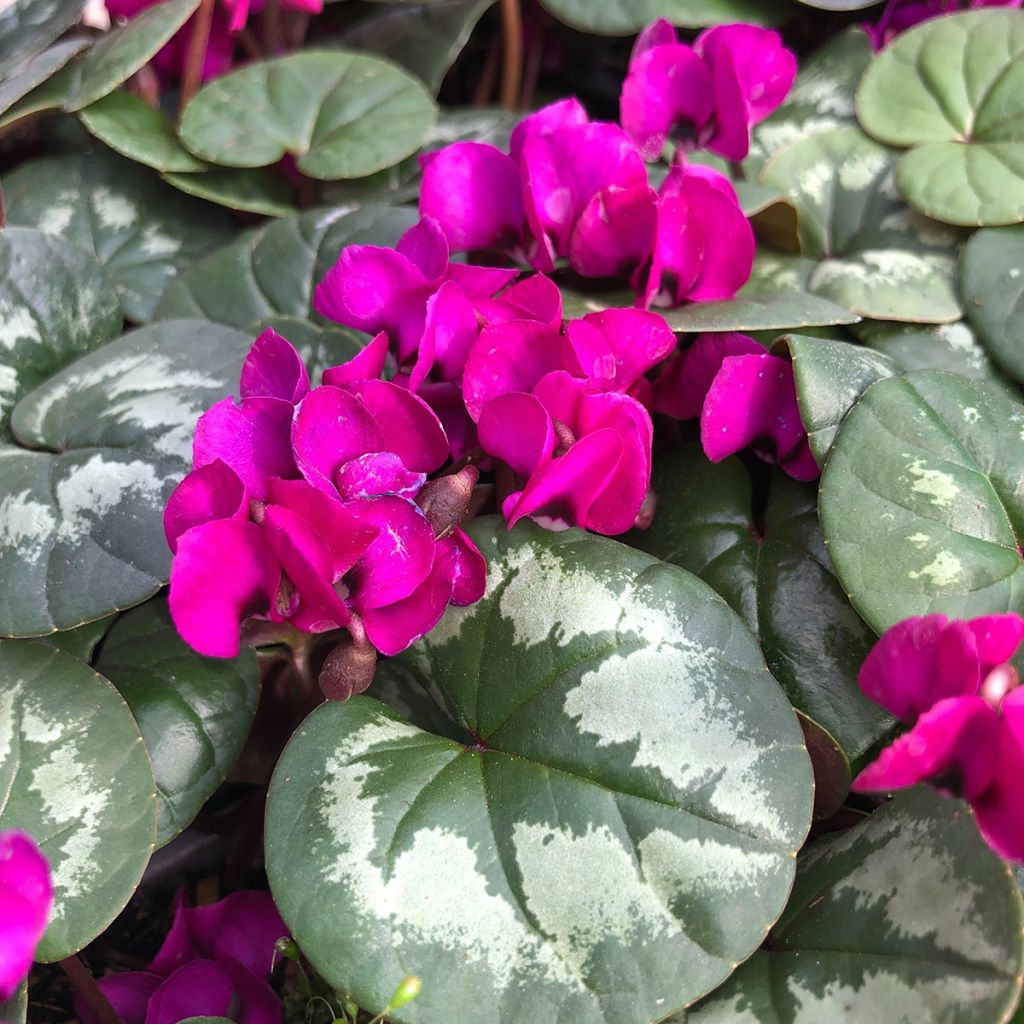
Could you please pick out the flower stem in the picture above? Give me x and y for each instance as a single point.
(85, 985)
(512, 55)
(193, 75)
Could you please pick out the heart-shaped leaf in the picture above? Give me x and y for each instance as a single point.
(37, 70)
(56, 303)
(613, 835)
(194, 712)
(141, 230)
(105, 441)
(920, 499)
(82, 641)
(759, 311)
(340, 114)
(624, 18)
(953, 88)
(830, 376)
(274, 270)
(260, 190)
(875, 256)
(139, 131)
(779, 578)
(28, 27)
(821, 98)
(908, 916)
(992, 280)
(74, 775)
(425, 38)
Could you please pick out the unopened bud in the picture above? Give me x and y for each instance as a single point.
(998, 683)
(645, 516)
(257, 511)
(408, 989)
(350, 1006)
(286, 947)
(348, 669)
(445, 501)
(566, 438)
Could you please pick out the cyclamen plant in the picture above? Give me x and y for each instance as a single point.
(561, 565)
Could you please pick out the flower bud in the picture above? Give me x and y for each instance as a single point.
(408, 989)
(445, 501)
(348, 669)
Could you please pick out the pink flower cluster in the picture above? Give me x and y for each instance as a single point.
(900, 15)
(301, 507)
(744, 398)
(567, 410)
(577, 190)
(213, 963)
(952, 684)
(26, 899)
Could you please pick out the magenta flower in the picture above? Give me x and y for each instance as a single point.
(900, 15)
(561, 169)
(558, 409)
(301, 507)
(950, 682)
(214, 962)
(26, 899)
(705, 97)
(744, 398)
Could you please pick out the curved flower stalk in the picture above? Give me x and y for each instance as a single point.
(950, 681)
(745, 398)
(568, 413)
(302, 508)
(900, 15)
(213, 963)
(708, 96)
(26, 899)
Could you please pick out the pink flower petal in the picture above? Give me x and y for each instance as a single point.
(445, 399)
(307, 560)
(243, 927)
(332, 427)
(377, 473)
(471, 572)
(801, 464)
(728, 242)
(450, 333)
(563, 490)
(658, 33)
(365, 365)
(509, 357)
(752, 402)
(213, 491)
(919, 662)
(480, 282)
(223, 572)
(635, 339)
(178, 946)
(997, 638)
(668, 90)
(954, 745)
(615, 233)
(517, 429)
(273, 369)
(398, 560)
(426, 247)
(561, 114)
(128, 993)
(683, 385)
(252, 437)
(393, 628)
(374, 289)
(408, 426)
(473, 191)
(536, 297)
(678, 255)
(765, 68)
(26, 899)
(346, 535)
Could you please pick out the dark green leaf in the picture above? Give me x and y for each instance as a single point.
(194, 712)
(273, 271)
(992, 280)
(38, 70)
(759, 311)
(622, 17)
(27, 27)
(906, 917)
(104, 440)
(261, 190)
(875, 257)
(425, 38)
(340, 114)
(921, 501)
(75, 776)
(613, 837)
(782, 583)
(81, 641)
(142, 231)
